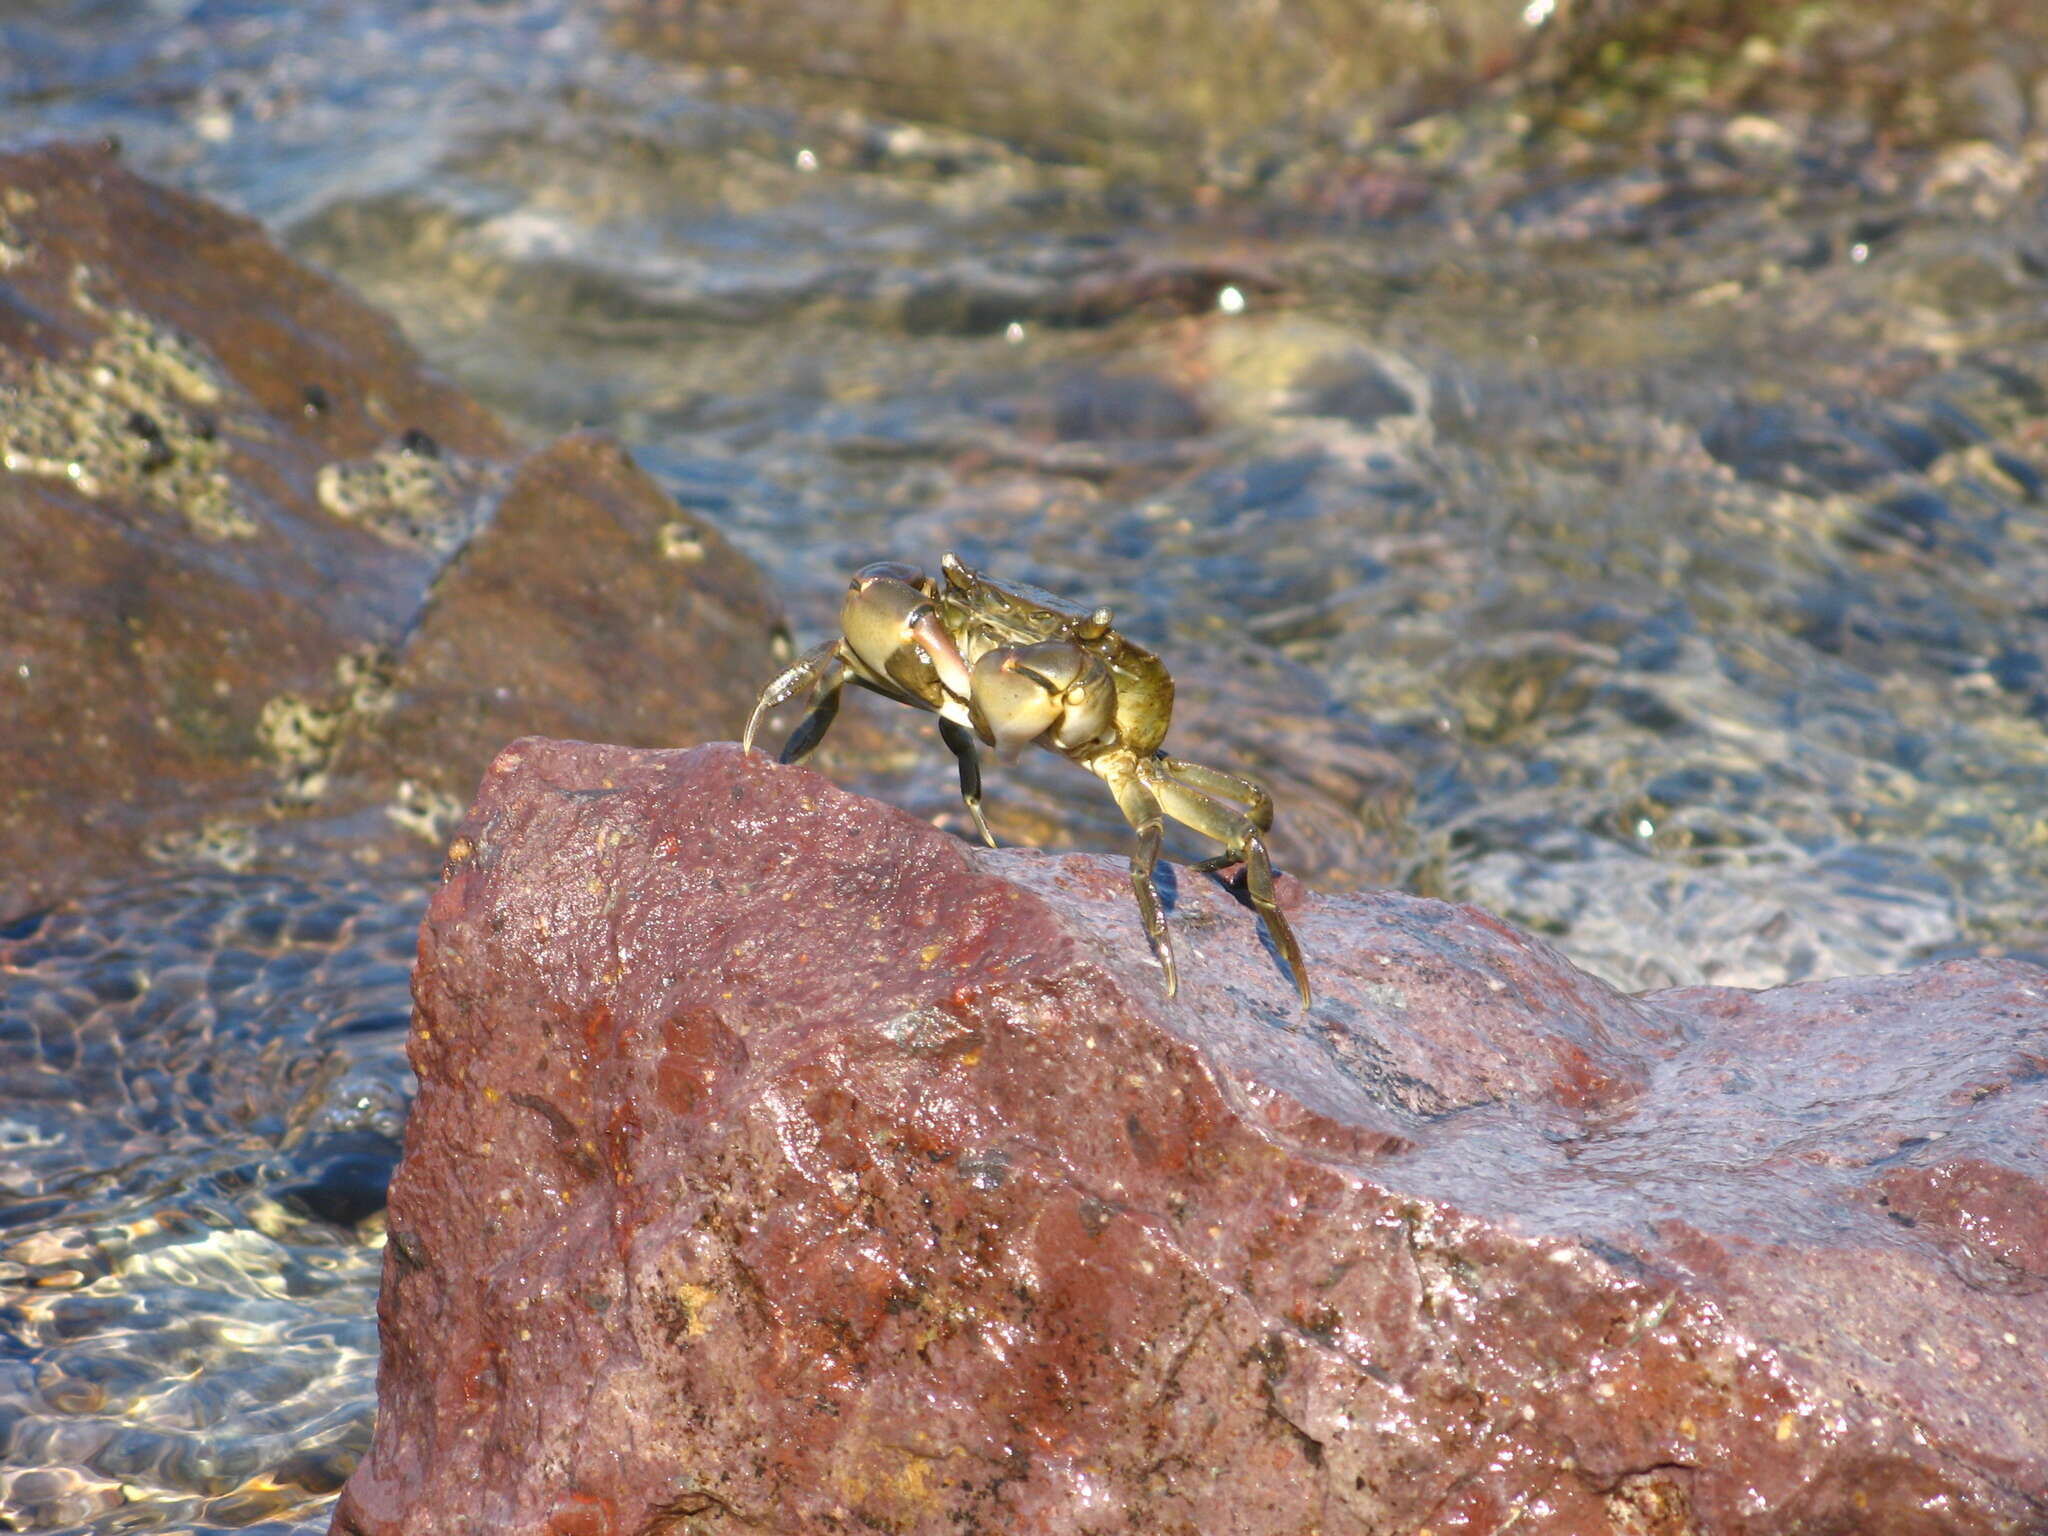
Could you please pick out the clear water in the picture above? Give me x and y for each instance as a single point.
(202, 1086)
(1671, 505)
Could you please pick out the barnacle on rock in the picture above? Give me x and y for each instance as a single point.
(301, 735)
(225, 844)
(131, 418)
(432, 813)
(413, 494)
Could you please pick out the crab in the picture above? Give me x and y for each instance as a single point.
(1006, 665)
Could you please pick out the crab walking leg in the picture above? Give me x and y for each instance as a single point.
(1142, 811)
(820, 664)
(817, 720)
(1250, 793)
(959, 741)
(1240, 835)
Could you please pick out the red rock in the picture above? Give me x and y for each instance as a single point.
(780, 1161)
(233, 627)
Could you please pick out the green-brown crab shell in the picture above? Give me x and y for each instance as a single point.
(985, 615)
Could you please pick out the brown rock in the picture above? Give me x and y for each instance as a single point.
(590, 605)
(781, 1162)
(246, 613)
(1138, 88)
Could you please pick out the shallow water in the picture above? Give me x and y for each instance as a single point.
(202, 1086)
(1672, 504)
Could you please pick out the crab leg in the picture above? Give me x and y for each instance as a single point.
(1141, 809)
(1250, 793)
(959, 741)
(820, 666)
(1240, 835)
(817, 720)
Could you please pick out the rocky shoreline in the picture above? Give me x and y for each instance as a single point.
(1591, 466)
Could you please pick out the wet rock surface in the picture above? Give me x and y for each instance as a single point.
(781, 1161)
(271, 594)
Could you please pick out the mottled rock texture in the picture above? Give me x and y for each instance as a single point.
(269, 592)
(782, 1163)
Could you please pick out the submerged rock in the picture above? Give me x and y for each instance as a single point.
(270, 593)
(781, 1161)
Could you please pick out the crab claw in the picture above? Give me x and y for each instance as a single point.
(1053, 690)
(892, 627)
